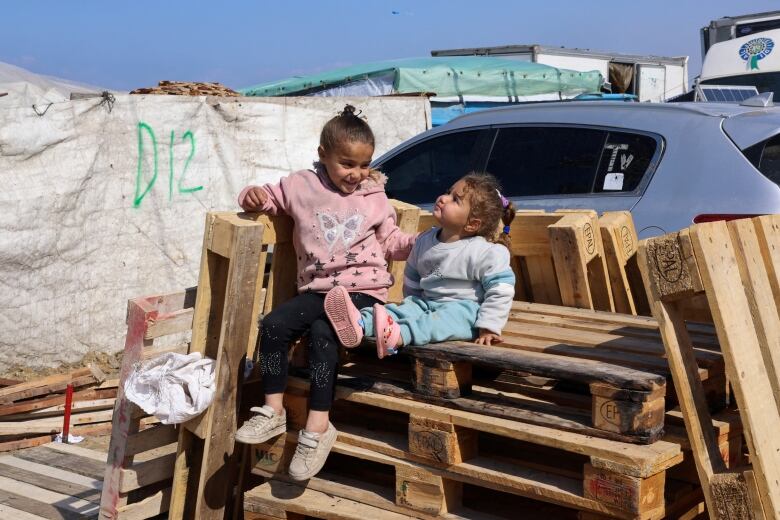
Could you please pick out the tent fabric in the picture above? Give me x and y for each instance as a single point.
(445, 77)
(103, 203)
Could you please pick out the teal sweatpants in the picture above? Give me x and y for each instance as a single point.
(424, 321)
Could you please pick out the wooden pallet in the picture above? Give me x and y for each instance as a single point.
(224, 328)
(618, 361)
(53, 481)
(141, 488)
(452, 448)
(620, 240)
(735, 265)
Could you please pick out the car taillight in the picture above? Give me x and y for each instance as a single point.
(712, 217)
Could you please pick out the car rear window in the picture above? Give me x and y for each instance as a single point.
(532, 161)
(547, 160)
(765, 156)
(625, 159)
(426, 170)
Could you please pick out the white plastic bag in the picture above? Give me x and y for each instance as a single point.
(173, 387)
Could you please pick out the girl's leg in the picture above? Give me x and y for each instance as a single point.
(432, 322)
(318, 436)
(323, 362)
(285, 324)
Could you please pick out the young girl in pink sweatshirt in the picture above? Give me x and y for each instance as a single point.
(345, 230)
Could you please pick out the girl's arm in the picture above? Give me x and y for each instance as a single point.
(270, 199)
(396, 245)
(498, 282)
(412, 276)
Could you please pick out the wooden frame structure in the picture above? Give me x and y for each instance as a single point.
(735, 265)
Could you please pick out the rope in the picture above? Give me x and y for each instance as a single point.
(41, 114)
(108, 100)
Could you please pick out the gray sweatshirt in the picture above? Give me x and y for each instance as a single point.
(469, 269)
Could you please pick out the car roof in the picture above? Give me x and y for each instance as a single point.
(504, 114)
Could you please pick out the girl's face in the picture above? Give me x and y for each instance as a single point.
(347, 164)
(453, 208)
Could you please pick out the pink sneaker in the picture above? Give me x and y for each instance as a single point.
(344, 317)
(387, 332)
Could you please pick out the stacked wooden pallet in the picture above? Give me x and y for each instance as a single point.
(575, 414)
(735, 265)
(187, 88)
(32, 412)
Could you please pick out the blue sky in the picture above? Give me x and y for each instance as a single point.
(242, 43)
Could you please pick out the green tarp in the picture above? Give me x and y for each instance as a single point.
(458, 76)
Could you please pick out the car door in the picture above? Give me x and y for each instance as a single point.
(421, 172)
(560, 166)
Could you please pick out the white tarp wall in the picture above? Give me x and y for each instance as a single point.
(101, 206)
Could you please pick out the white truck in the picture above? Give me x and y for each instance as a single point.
(650, 78)
(739, 54)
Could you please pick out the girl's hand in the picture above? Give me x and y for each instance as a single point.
(255, 199)
(487, 338)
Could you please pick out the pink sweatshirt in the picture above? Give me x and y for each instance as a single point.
(340, 239)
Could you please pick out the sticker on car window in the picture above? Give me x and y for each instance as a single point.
(613, 182)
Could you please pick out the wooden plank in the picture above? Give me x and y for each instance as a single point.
(125, 417)
(42, 502)
(699, 339)
(7, 511)
(46, 385)
(660, 260)
(75, 463)
(744, 352)
(308, 502)
(539, 364)
(52, 424)
(768, 231)
(763, 308)
(579, 263)
(620, 241)
(149, 507)
(171, 323)
(52, 479)
(149, 472)
(151, 438)
(221, 329)
(55, 400)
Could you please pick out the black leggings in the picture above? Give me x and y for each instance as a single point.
(287, 323)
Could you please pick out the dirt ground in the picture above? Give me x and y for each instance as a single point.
(108, 363)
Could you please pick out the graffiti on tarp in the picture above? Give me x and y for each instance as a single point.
(144, 183)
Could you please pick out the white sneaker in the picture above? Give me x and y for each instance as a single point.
(311, 453)
(265, 424)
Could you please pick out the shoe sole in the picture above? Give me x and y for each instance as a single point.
(380, 318)
(250, 439)
(316, 469)
(337, 310)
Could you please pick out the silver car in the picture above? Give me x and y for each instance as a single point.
(669, 164)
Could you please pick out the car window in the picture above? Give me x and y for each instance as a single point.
(765, 156)
(426, 170)
(531, 161)
(625, 159)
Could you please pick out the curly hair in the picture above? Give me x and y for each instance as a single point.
(487, 204)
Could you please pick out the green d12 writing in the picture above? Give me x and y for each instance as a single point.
(145, 133)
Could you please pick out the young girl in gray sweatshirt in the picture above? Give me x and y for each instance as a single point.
(458, 283)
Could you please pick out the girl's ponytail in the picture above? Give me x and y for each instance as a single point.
(508, 215)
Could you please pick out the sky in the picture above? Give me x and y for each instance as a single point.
(242, 43)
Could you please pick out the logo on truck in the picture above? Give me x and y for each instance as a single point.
(755, 50)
